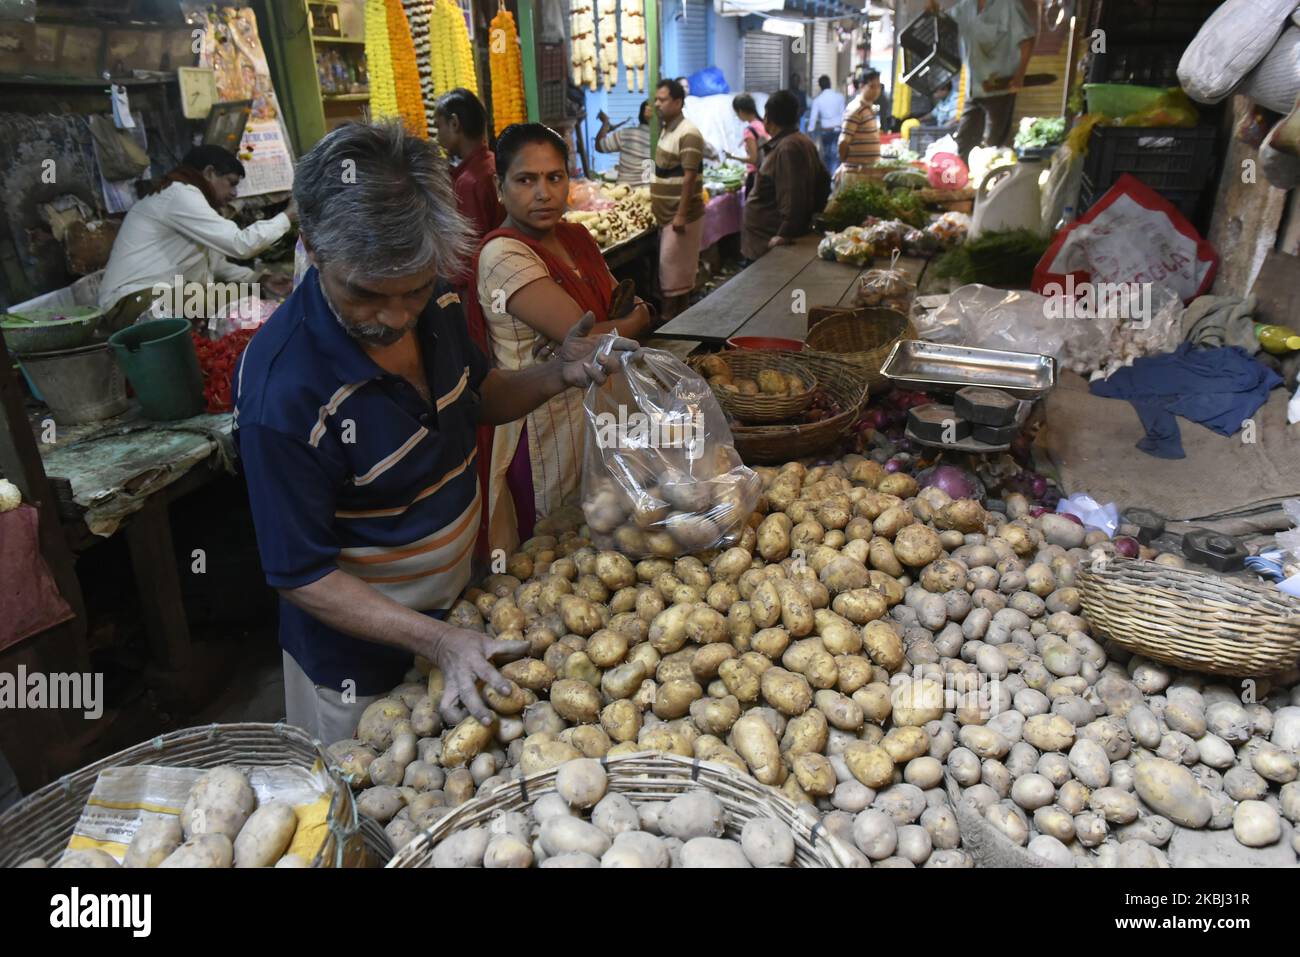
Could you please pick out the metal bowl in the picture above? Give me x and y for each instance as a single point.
(48, 330)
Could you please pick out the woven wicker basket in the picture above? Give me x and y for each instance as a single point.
(775, 444)
(41, 824)
(747, 364)
(863, 336)
(650, 776)
(1192, 619)
(988, 846)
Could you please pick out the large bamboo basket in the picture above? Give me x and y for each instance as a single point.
(863, 336)
(41, 824)
(650, 776)
(775, 444)
(1192, 619)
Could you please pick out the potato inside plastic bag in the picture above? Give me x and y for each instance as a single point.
(661, 475)
(890, 288)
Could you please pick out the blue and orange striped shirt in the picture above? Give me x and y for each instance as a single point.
(349, 468)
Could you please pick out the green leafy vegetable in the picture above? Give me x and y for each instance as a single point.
(854, 203)
(1042, 132)
(1005, 259)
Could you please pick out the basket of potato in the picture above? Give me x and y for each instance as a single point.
(223, 822)
(758, 386)
(638, 810)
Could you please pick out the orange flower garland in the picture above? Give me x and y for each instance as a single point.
(505, 63)
(406, 75)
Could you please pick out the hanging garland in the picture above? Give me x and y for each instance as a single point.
(505, 64)
(582, 31)
(633, 24)
(449, 49)
(379, 61)
(418, 14)
(607, 34)
(406, 75)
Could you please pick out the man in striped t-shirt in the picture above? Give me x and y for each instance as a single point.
(860, 138)
(356, 412)
(677, 198)
(632, 144)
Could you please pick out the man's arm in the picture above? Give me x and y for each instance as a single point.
(351, 606)
(690, 186)
(507, 396)
(602, 146)
(1026, 54)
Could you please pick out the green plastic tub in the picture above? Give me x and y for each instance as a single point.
(159, 360)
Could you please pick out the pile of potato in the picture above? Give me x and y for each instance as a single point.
(582, 824)
(861, 643)
(219, 826)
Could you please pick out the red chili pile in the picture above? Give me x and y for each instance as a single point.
(217, 361)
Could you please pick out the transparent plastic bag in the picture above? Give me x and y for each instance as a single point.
(661, 475)
(887, 288)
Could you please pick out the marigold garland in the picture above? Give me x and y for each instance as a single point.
(505, 64)
(451, 55)
(406, 75)
(379, 62)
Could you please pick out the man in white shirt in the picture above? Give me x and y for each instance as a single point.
(824, 117)
(179, 231)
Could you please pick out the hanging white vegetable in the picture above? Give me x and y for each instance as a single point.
(632, 22)
(10, 497)
(607, 34)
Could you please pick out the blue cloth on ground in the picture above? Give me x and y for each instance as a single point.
(1219, 388)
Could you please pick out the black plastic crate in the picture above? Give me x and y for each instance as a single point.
(1188, 202)
(1165, 158)
(1166, 21)
(931, 52)
(922, 136)
(1146, 64)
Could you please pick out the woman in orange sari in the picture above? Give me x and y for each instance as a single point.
(536, 277)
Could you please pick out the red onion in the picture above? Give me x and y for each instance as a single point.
(893, 465)
(1038, 486)
(1128, 547)
(876, 418)
(957, 482)
(1074, 518)
(1035, 512)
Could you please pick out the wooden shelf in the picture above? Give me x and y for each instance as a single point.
(345, 97)
(320, 39)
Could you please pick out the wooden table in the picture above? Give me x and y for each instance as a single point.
(772, 296)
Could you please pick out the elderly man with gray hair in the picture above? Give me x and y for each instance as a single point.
(356, 411)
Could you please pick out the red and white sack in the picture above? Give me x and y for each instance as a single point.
(1131, 235)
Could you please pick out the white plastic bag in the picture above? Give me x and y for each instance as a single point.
(661, 476)
(1091, 512)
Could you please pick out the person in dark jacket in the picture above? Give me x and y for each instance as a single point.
(791, 179)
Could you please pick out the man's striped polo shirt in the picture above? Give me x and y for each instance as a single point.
(349, 468)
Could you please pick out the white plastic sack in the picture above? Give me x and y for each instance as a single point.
(1231, 43)
(1293, 409)
(1275, 82)
(1091, 512)
(944, 144)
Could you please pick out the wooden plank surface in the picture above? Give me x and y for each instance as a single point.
(726, 309)
(819, 283)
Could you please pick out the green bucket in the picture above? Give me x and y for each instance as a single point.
(159, 360)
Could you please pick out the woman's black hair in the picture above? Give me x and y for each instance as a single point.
(467, 108)
(783, 109)
(643, 115)
(218, 157)
(743, 103)
(518, 135)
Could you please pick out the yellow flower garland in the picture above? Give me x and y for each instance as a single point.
(450, 53)
(379, 61)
